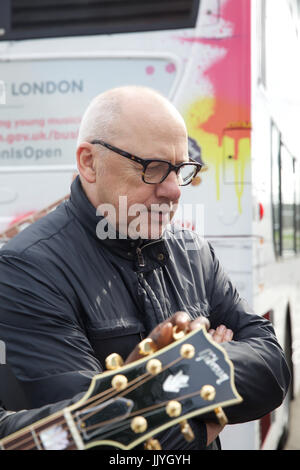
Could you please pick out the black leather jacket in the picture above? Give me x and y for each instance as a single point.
(68, 299)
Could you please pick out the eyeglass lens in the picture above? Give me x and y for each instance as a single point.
(155, 172)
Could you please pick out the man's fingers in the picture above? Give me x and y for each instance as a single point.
(221, 334)
(162, 335)
(228, 335)
(180, 319)
(201, 321)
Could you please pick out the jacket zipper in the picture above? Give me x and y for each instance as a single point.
(141, 260)
(139, 253)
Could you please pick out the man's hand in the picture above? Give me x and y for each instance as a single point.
(221, 334)
(162, 335)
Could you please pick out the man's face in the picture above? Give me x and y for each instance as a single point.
(142, 210)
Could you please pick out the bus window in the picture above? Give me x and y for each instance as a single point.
(50, 18)
(275, 149)
(262, 43)
(288, 202)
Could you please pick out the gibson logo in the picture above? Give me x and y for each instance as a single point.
(210, 359)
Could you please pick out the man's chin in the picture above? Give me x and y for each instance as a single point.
(148, 229)
(152, 233)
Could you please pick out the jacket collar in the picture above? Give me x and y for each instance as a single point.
(146, 254)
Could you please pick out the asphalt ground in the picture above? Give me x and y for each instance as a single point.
(293, 442)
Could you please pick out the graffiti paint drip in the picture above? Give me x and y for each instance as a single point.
(221, 122)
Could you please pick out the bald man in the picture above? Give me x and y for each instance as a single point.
(100, 272)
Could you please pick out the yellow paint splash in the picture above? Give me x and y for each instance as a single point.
(215, 147)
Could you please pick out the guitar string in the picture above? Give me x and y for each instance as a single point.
(145, 411)
(125, 425)
(138, 381)
(132, 386)
(93, 398)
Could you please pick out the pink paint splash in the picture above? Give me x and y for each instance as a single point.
(231, 76)
(170, 68)
(150, 70)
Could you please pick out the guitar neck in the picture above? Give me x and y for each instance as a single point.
(52, 433)
(14, 229)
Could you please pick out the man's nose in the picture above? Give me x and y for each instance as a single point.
(169, 188)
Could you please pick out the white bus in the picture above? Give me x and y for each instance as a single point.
(232, 68)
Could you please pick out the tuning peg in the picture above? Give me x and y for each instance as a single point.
(173, 409)
(187, 431)
(152, 444)
(113, 361)
(147, 347)
(208, 392)
(139, 424)
(187, 351)
(178, 334)
(154, 366)
(119, 382)
(222, 418)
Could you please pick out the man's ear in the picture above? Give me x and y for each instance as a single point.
(86, 161)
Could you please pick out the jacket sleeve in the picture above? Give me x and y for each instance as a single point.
(11, 422)
(261, 373)
(46, 344)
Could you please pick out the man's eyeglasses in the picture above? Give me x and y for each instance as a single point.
(156, 171)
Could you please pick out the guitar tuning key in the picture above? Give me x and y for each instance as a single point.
(147, 347)
(139, 424)
(114, 361)
(208, 392)
(173, 409)
(154, 366)
(187, 351)
(119, 382)
(187, 431)
(222, 418)
(152, 444)
(178, 334)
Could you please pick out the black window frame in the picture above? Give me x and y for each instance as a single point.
(277, 165)
(287, 159)
(297, 204)
(155, 19)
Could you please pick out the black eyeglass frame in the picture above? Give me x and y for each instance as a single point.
(146, 162)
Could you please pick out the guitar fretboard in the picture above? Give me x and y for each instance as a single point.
(25, 221)
(51, 435)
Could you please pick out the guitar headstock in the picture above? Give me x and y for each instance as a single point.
(123, 408)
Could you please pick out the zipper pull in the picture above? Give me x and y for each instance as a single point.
(141, 260)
